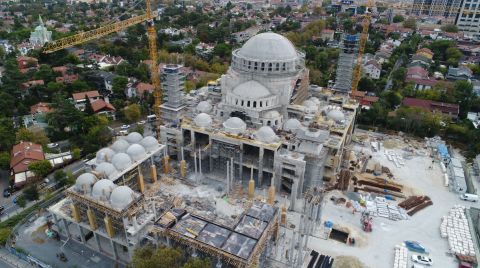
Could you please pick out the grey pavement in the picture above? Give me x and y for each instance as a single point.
(45, 249)
(9, 260)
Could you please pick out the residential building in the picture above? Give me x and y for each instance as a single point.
(102, 80)
(26, 63)
(41, 35)
(21, 156)
(204, 50)
(327, 34)
(365, 101)
(138, 89)
(372, 69)
(468, 19)
(448, 109)
(80, 98)
(420, 78)
(459, 73)
(445, 9)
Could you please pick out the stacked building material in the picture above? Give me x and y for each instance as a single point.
(401, 257)
(414, 204)
(455, 228)
(381, 208)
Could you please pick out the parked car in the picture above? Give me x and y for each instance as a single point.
(52, 145)
(123, 133)
(422, 260)
(469, 197)
(142, 122)
(6, 193)
(125, 127)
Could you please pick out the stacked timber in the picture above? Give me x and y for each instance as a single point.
(414, 204)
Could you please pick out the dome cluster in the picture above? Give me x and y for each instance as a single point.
(104, 190)
(123, 153)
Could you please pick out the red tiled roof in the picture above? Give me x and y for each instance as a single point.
(447, 108)
(60, 69)
(100, 105)
(142, 87)
(23, 154)
(32, 83)
(81, 95)
(68, 78)
(425, 50)
(40, 107)
(374, 63)
(417, 71)
(421, 81)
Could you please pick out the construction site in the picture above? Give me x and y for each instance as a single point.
(262, 169)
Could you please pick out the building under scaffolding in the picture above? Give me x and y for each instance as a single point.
(346, 61)
(267, 119)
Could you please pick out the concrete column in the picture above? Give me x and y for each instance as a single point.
(251, 186)
(114, 249)
(260, 167)
(240, 165)
(92, 219)
(141, 183)
(153, 172)
(82, 235)
(97, 241)
(67, 232)
(293, 195)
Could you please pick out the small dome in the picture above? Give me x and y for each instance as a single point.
(121, 197)
(84, 182)
(234, 125)
(203, 120)
(104, 155)
(266, 135)
(120, 146)
(136, 152)
(106, 168)
(102, 189)
(251, 90)
(204, 107)
(268, 47)
(134, 137)
(309, 103)
(121, 161)
(292, 124)
(271, 115)
(149, 143)
(335, 115)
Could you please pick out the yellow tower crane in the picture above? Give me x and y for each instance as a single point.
(357, 71)
(83, 37)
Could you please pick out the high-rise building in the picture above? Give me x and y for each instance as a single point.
(447, 9)
(173, 84)
(468, 19)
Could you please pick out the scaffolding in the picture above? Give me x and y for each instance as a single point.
(346, 61)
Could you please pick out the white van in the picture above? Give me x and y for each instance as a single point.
(469, 197)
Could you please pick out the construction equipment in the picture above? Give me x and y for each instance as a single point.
(366, 221)
(357, 71)
(84, 37)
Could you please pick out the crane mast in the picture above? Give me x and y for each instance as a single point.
(84, 37)
(357, 71)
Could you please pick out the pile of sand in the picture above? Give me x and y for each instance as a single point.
(347, 262)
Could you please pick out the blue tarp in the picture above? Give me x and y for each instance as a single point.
(443, 151)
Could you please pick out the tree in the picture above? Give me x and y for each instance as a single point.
(5, 235)
(31, 193)
(40, 168)
(222, 50)
(410, 23)
(132, 113)
(197, 263)
(21, 201)
(88, 106)
(34, 134)
(366, 84)
(453, 55)
(76, 153)
(7, 134)
(119, 84)
(79, 86)
(163, 257)
(4, 160)
(398, 18)
(450, 28)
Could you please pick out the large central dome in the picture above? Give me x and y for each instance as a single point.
(268, 47)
